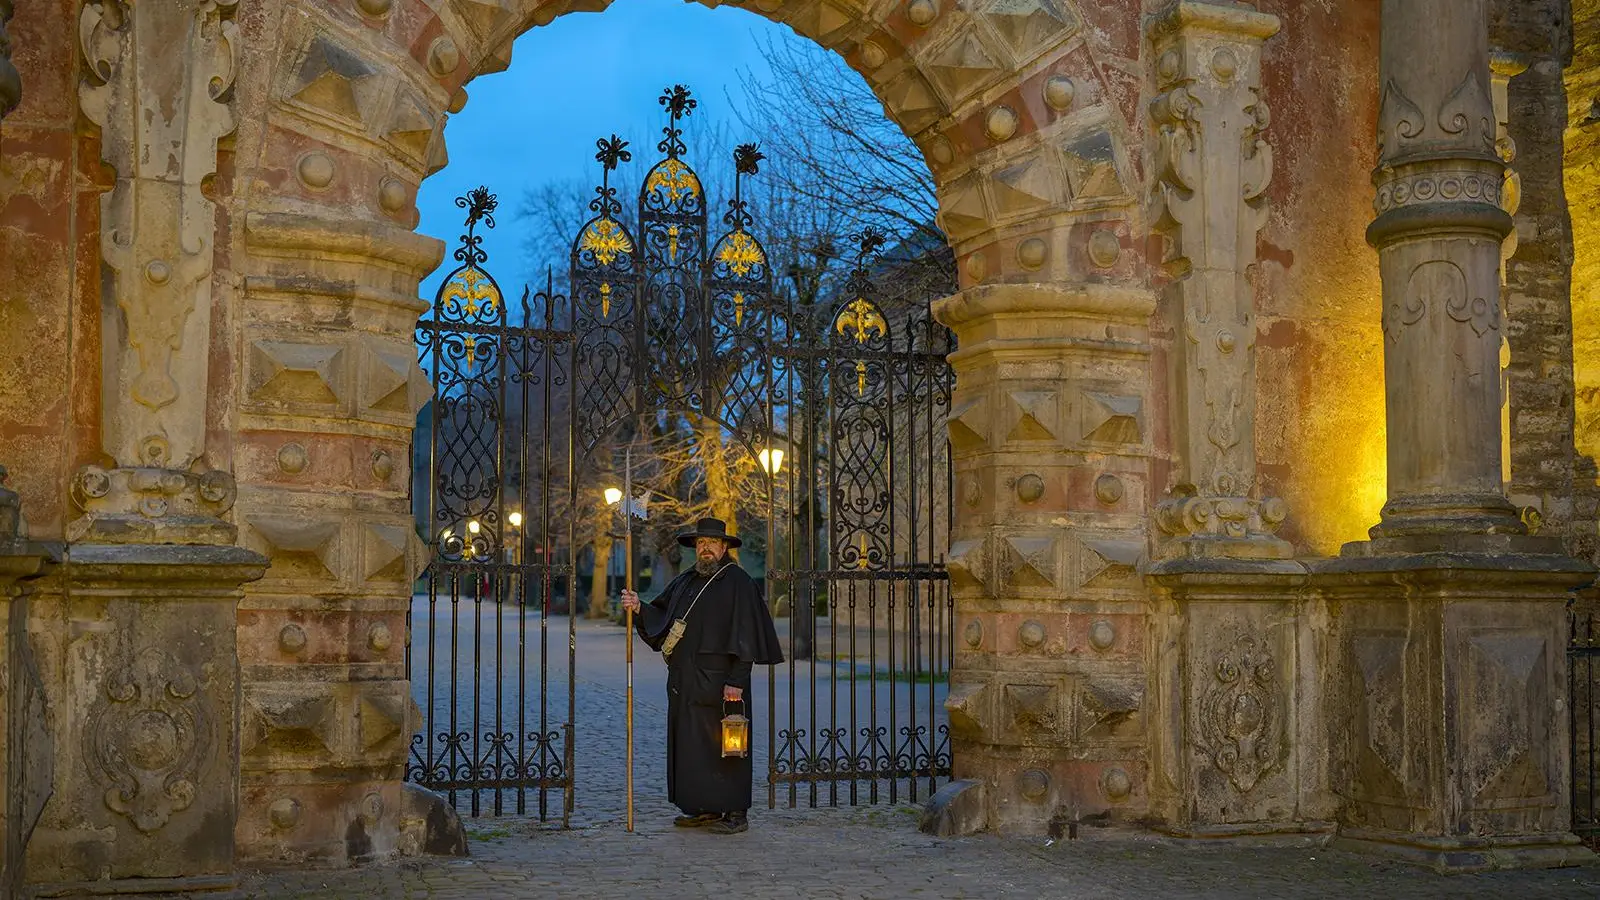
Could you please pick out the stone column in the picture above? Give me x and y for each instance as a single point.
(1438, 235)
(1450, 636)
(135, 631)
(1049, 433)
(1235, 739)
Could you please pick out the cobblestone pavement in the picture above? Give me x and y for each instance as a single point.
(877, 853)
(865, 852)
(600, 701)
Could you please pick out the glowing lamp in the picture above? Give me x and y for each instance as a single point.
(771, 460)
(515, 519)
(613, 496)
(473, 526)
(735, 733)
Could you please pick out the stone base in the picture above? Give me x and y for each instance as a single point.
(1465, 855)
(957, 809)
(136, 647)
(429, 825)
(1297, 834)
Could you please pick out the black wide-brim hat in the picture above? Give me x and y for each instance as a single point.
(709, 528)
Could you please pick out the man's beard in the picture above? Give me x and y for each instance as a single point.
(707, 567)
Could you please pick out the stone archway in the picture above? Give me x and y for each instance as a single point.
(338, 124)
(212, 276)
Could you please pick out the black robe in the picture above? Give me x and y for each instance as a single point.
(728, 631)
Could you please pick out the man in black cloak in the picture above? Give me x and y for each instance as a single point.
(727, 629)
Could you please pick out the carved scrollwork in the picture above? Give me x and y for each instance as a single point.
(1187, 514)
(147, 738)
(1240, 714)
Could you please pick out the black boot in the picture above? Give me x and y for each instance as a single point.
(696, 821)
(731, 823)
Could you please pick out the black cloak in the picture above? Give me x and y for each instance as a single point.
(728, 631)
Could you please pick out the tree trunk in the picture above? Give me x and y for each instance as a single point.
(720, 490)
(599, 603)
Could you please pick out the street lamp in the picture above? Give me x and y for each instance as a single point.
(515, 519)
(613, 496)
(771, 459)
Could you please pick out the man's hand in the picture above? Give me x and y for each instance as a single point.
(630, 601)
(731, 693)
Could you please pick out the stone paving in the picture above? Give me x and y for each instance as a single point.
(865, 852)
(877, 853)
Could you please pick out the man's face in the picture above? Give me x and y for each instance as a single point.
(709, 549)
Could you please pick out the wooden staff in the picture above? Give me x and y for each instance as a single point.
(627, 549)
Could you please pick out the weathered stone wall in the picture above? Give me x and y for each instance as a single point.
(1320, 437)
(1548, 473)
(1581, 140)
(50, 185)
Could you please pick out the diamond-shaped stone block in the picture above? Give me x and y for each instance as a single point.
(967, 707)
(303, 539)
(962, 209)
(1110, 708)
(1091, 167)
(1037, 415)
(484, 16)
(1023, 188)
(968, 423)
(391, 381)
(287, 723)
(967, 564)
(1112, 418)
(1030, 25)
(384, 552)
(1032, 707)
(1031, 561)
(410, 126)
(336, 81)
(294, 373)
(1108, 562)
(382, 718)
(963, 67)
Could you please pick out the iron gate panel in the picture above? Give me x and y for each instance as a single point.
(495, 541)
(1583, 692)
(664, 319)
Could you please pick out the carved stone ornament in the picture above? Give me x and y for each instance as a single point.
(152, 503)
(160, 77)
(1241, 722)
(1238, 518)
(147, 738)
(1212, 167)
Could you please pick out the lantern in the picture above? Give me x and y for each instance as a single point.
(735, 733)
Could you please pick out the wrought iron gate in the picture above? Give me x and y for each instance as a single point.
(1583, 692)
(818, 427)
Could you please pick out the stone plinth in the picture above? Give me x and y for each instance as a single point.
(25, 740)
(136, 645)
(1449, 669)
(1238, 741)
(1050, 434)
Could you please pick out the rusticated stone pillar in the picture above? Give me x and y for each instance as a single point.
(1049, 431)
(1236, 746)
(344, 125)
(1450, 625)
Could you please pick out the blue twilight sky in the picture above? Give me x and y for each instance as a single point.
(580, 78)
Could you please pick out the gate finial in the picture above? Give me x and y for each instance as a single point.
(679, 103)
